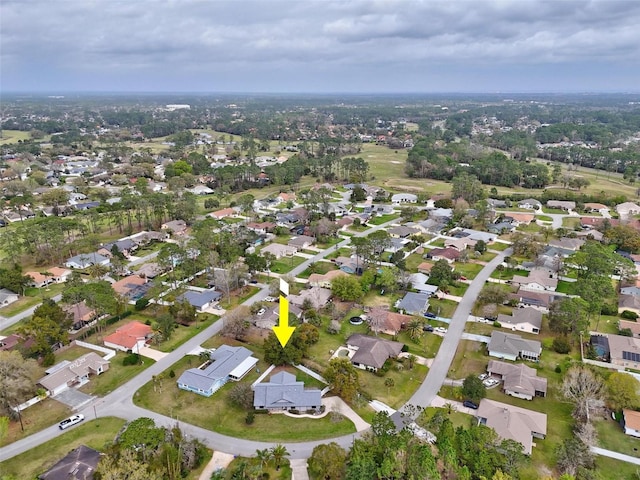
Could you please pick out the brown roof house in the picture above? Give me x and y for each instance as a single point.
(628, 302)
(449, 254)
(129, 337)
(513, 423)
(530, 298)
(624, 351)
(81, 312)
(318, 297)
(68, 374)
(519, 380)
(538, 279)
(631, 325)
(324, 279)
(631, 420)
(522, 319)
(175, 227)
(371, 352)
(561, 204)
(79, 463)
(383, 321)
(301, 241)
(278, 250)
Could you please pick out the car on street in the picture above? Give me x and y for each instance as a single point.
(470, 404)
(72, 420)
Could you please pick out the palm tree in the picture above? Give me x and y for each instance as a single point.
(264, 456)
(414, 329)
(205, 356)
(278, 453)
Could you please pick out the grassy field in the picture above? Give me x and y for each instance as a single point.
(612, 437)
(117, 375)
(469, 270)
(379, 220)
(13, 136)
(443, 308)
(285, 265)
(319, 268)
(38, 417)
(33, 296)
(95, 434)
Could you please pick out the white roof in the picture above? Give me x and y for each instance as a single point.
(246, 365)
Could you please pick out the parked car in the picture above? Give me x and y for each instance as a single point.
(463, 278)
(72, 420)
(470, 404)
(262, 311)
(427, 328)
(441, 329)
(270, 299)
(430, 315)
(482, 376)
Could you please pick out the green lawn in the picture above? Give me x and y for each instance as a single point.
(471, 358)
(36, 418)
(544, 218)
(13, 136)
(443, 308)
(612, 437)
(218, 414)
(383, 219)
(117, 375)
(570, 222)
(183, 333)
(469, 270)
(412, 262)
(285, 265)
(566, 287)
(268, 471)
(499, 246)
(33, 296)
(95, 434)
(508, 273)
(487, 256)
(318, 267)
(457, 289)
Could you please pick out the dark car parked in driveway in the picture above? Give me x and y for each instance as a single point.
(470, 404)
(430, 315)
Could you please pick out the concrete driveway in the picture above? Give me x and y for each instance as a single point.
(152, 354)
(74, 399)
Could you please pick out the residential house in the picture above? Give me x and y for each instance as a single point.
(57, 275)
(561, 204)
(10, 341)
(631, 422)
(441, 214)
(460, 244)
(629, 302)
(627, 209)
(595, 207)
(149, 270)
(201, 190)
(371, 352)
(425, 267)
(520, 218)
(419, 282)
(623, 351)
(125, 246)
(449, 254)
(511, 347)
(591, 234)
(345, 222)
(522, 319)
(132, 287)
(226, 363)
(318, 297)
(79, 463)
(85, 260)
(382, 320)
(324, 280)
(631, 325)
(284, 392)
(538, 280)
(278, 250)
(201, 300)
(71, 374)
(286, 197)
(413, 303)
(399, 198)
(7, 297)
(513, 423)
(519, 380)
(494, 203)
(261, 228)
(486, 237)
(501, 228)
(175, 227)
(81, 314)
(130, 337)
(225, 212)
(301, 242)
(566, 243)
(351, 265)
(402, 231)
(530, 204)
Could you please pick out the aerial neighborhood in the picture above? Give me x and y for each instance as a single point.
(444, 288)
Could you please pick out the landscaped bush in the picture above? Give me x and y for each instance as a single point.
(629, 315)
(609, 309)
(250, 418)
(131, 359)
(561, 345)
(141, 304)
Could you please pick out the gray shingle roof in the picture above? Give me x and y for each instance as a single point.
(223, 361)
(510, 344)
(373, 351)
(283, 390)
(414, 303)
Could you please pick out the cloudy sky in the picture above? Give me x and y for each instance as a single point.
(320, 46)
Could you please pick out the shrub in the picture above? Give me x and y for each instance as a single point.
(625, 332)
(561, 345)
(48, 359)
(172, 374)
(497, 324)
(131, 359)
(250, 418)
(558, 369)
(211, 203)
(141, 303)
(609, 309)
(629, 315)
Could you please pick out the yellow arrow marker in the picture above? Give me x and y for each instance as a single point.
(283, 331)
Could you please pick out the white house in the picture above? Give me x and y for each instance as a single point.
(7, 297)
(523, 319)
(399, 198)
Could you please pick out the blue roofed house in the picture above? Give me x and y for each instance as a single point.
(284, 392)
(200, 300)
(414, 303)
(227, 363)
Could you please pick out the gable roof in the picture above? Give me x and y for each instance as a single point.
(631, 325)
(512, 422)
(128, 335)
(518, 377)
(70, 370)
(284, 391)
(78, 463)
(522, 315)
(631, 419)
(510, 344)
(372, 351)
(629, 302)
(537, 275)
(449, 253)
(224, 361)
(318, 296)
(126, 284)
(198, 299)
(382, 320)
(413, 302)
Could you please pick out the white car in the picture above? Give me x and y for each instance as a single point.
(262, 311)
(74, 419)
(441, 330)
(269, 299)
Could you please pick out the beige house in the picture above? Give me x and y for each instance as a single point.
(68, 374)
(513, 423)
(522, 319)
(278, 250)
(538, 280)
(629, 302)
(519, 380)
(324, 279)
(624, 351)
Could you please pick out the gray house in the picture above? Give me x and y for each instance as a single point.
(511, 347)
(284, 392)
(200, 300)
(227, 363)
(85, 260)
(414, 303)
(371, 352)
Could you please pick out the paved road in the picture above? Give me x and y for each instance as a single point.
(616, 455)
(119, 402)
(427, 392)
(7, 322)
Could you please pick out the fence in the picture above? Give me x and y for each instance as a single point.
(109, 353)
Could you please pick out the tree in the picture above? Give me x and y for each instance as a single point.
(387, 279)
(572, 455)
(585, 389)
(49, 327)
(242, 395)
(346, 288)
(568, 316)
(236, 323)
(327, 462)
(415, 330)
(255, 263)
(125, 466)
(492, 293)
(441, 274)
(264, 456)
(473, 388)
(17, 381)
(342, 377)
(278, 453)
(165, 325)
(480, 247)
(467, 187)
(183, 312)
(622, 390)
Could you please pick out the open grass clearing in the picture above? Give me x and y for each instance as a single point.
(35, 418)
(443, 308)
(611, 436)
(565, 287)
(318, 267)
(285, 265)
(379, 220)
(499, 246)
(458, 289)
(471, 358)
(468, 270)
(218, 414)
(117, 375)
(13, 136)
(95, 434)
